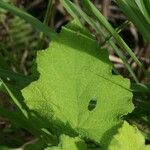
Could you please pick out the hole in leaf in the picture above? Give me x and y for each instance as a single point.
(92, 104)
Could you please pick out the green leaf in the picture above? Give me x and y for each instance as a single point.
(69, 143)
(128, 138)
(76, 90)
(78, 13)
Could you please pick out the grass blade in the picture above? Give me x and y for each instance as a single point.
(134, 14)
(71, 10)
(147, 5)
(140, 88)
(15, 100)
(143, 9)
(47, 17)
(103, 21)
(14, 76)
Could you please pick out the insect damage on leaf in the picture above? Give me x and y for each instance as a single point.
(76, 91)
(92, 104)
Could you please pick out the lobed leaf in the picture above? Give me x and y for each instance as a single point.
(128, 138)
(76, 91)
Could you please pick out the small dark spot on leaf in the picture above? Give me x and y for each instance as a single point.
(92, 104)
